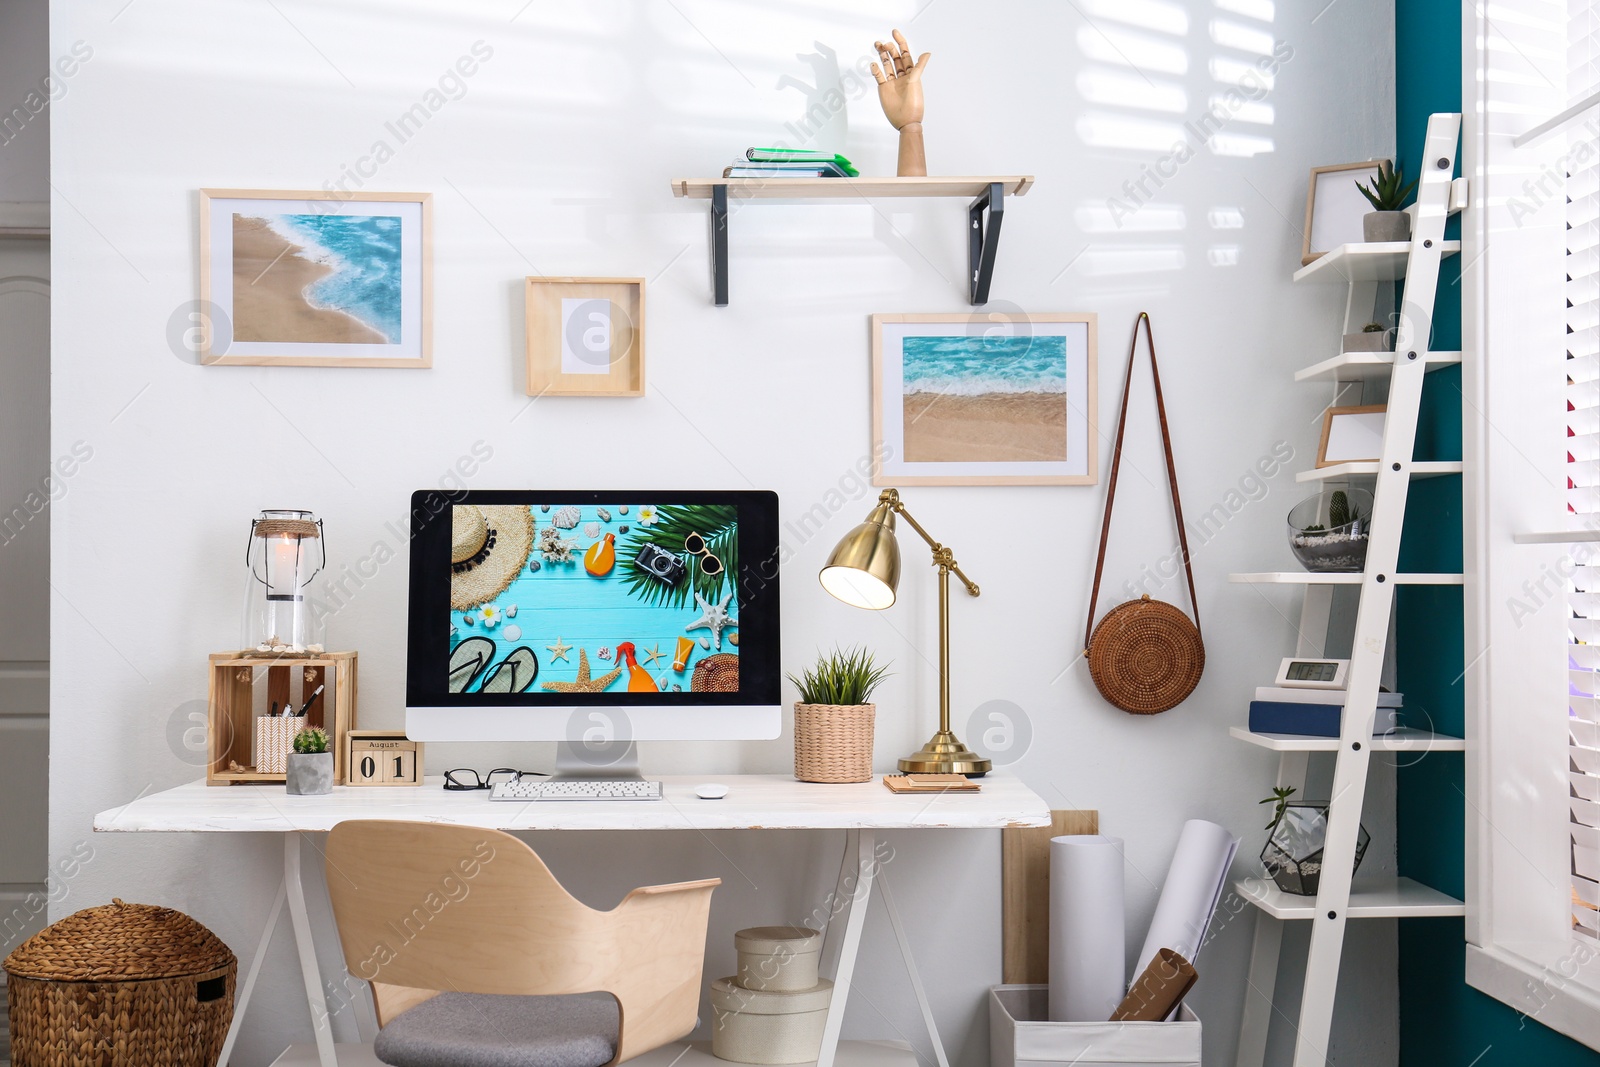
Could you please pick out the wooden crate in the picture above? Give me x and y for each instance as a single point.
(233, 703)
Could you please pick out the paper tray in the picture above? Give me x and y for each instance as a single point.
(1020, 1035)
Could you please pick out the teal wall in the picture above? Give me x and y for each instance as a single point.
(1442, 1020)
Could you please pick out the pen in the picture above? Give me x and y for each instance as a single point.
(274, 712)
(315, 693)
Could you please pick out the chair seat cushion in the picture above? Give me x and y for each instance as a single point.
(484, 1030)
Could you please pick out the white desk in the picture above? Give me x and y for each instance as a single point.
(754, 802)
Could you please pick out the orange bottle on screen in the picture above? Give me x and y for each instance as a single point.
(601, 557)
(639, 680)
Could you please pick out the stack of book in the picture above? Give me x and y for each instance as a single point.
(789, 163)
(1313, 712)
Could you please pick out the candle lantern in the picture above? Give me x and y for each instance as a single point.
(285, 552)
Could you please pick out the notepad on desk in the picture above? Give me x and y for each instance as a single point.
(930, 783)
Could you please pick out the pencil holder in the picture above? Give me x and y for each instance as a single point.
(274, 742)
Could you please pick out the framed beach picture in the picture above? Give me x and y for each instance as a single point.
(1335, 207)
(585, 336)
(984, 400)
(311, 279)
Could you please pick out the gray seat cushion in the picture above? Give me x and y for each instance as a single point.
(482, 1030)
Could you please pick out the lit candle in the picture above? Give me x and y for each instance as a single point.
(283, 567)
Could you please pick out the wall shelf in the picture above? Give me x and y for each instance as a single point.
(1365, 366)
(1340, 471)
(1338, 578)
(984, 213)
(1381, 261)
(1402, 899)
(1403, 739)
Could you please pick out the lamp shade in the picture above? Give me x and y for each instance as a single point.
(864, 568)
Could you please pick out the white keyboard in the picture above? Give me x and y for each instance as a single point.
(538, 789)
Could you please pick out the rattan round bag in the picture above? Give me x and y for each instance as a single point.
(1145, 656)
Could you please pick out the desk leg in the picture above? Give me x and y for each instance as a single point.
(856, 872)
(911, 969)
(243, 1000)
(321, 1024)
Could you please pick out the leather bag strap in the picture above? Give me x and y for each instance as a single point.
(1116, 464)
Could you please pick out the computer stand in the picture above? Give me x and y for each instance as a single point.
(588, 761)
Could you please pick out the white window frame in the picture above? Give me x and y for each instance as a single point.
(1519, 946)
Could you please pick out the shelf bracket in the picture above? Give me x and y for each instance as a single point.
(983, 239)
(719, 245)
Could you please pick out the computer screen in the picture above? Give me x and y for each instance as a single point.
(528, 606)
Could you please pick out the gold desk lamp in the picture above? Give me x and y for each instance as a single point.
(864, 571)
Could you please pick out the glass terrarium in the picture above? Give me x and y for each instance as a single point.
(1330, 531)
(1293, 854)
(286, 551)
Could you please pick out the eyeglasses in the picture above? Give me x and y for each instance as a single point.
(465, 778)
(695, 545)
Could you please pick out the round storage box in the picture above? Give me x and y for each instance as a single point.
(760, 1026)
(124, 984)
(779, 959)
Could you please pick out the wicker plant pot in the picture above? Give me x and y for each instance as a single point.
(833, 742)
(121, 985)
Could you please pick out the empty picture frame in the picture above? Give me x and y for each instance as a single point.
(1351, 435)
(1335, 207)
(585, 336)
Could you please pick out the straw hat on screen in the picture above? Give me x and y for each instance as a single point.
(489, 546)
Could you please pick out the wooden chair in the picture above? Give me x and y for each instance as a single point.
(429, 909)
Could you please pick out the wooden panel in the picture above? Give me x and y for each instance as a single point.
(1025, 894)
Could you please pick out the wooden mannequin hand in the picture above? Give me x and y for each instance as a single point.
(900, 93)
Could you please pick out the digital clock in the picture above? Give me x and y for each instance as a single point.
(1306, 673)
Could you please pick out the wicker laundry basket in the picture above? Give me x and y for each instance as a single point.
(121, 985)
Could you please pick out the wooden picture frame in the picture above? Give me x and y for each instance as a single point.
(1024, 412)
(1337, 219)
(275, 290)
(1347, 431)
(577, 346)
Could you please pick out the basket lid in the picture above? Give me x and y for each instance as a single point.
(770, 940)
(119, 942)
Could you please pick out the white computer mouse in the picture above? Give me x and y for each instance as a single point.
(710, 791)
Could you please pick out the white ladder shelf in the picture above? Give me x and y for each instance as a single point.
(1363, 268)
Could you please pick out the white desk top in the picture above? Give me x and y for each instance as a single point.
(754, 802)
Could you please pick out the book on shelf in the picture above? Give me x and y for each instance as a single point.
(930, 783)
(783, 170)
(1311, 720)
(800, 155)
(1332, 697)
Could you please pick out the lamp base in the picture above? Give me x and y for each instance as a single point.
(945, 754)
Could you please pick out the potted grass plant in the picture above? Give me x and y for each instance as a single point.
(1387, 194)
(310, 766)
(833, 719)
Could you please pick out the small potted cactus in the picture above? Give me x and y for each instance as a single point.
(1374, 337)
(1329, 531)
(310, 765)
(1387, 194)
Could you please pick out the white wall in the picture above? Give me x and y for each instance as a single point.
(557, 160)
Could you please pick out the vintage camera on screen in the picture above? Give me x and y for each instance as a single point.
(661, 563)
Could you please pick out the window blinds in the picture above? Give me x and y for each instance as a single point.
(1582, 173)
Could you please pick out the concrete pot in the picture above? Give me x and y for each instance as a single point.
(1378, 341)
(309, 774)
(1386, 226)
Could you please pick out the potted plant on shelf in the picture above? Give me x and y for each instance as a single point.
(1330, 531)
(1387, 195)
(310, 766)
(1374, 337)
(833, 720)
(1295, 837)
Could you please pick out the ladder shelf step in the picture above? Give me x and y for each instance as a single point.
(1382, 261)
(1404, 739)
(1369, 469)
(1365, 366)
(1401, 898)
(1339, 578)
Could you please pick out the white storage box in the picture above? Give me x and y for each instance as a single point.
(778, 958)
(1021, 1035)
(761, 1026)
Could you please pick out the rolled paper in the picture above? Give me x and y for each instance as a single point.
(1088, 930)
(1157, 992)
(1193, 887)
(680, 661)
